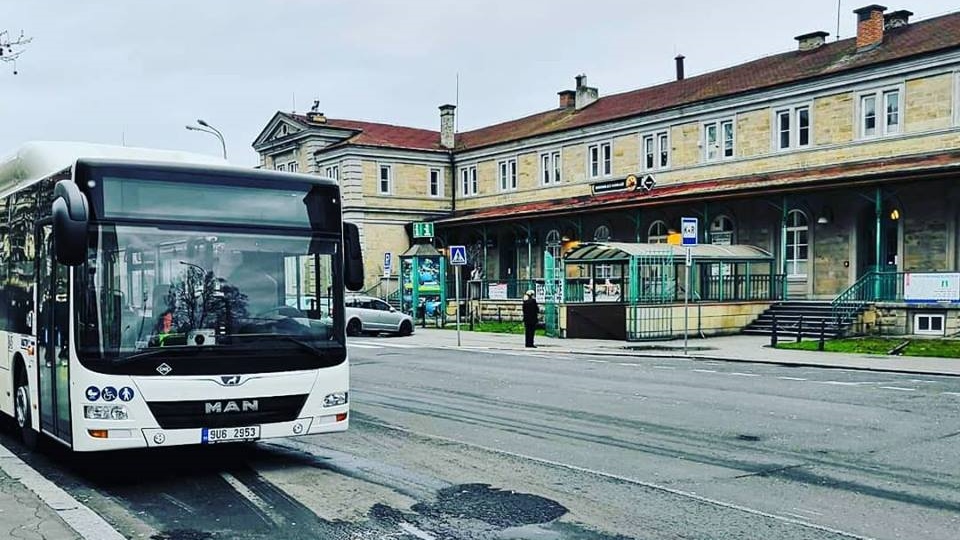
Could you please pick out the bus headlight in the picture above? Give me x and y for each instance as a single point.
(105, 412)
(334, 399)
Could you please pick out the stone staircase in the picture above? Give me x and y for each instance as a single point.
(789, 314)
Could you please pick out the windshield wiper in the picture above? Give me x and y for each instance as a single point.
(156, 352)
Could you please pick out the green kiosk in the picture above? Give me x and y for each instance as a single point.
(423, 274)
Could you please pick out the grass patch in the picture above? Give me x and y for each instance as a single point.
(941, 348)
(505, 327)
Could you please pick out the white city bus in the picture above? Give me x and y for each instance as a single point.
(152, 298)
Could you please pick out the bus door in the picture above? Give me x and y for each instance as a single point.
(53, 339)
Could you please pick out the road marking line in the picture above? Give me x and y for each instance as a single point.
(619, 478)
(839, 383)
(628, 364)
(791, 378)
(178, 503)
(245, 492)
(664, 367)
(900, 388)
(811, 512)
(363, 346)
(951, 393)
(738, 374)
(598, 361)
(705, 370)
(77, 516)
(413, 531)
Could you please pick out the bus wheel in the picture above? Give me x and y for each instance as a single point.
(354, 327)
(22, 412)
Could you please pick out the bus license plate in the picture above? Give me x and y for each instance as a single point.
(232, 434)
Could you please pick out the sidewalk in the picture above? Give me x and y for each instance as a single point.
(736, 348)
(34, 508)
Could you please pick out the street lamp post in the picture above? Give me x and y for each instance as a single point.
(207, 128)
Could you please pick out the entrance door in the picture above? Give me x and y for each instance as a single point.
(887, 258)
(53, 339)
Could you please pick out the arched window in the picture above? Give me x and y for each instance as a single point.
(657, 233)
(553, 238)
(601, 234)
(797, 233)
(721, 231)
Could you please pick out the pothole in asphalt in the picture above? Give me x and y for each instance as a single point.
(490, 505)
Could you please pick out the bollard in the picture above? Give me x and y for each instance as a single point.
(773, 333)
(800, 329)
(823, 331)
(499, 316)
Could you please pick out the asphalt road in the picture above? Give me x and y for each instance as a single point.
(474, 444)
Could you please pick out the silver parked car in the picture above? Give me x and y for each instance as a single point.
(366, 314)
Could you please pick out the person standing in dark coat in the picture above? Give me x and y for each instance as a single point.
(531, 312)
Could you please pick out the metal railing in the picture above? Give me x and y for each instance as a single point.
(742, 288)
(873, 286)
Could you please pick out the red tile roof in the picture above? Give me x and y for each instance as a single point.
(833, 58)
(377, 134)
(845, 175)
(918, 38)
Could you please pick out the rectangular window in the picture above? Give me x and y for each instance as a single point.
(656, 151)
(293, 166)
(718, 140)
(891, 111)
(508, 174)
(386, 180)
(468, 181)
(783, 129)
(803, 126)
(435, 184)
(332, 171)
(648, 152)
(792, 127)
(550, 168)
(879, 113)
(282, 167)
(601, 160)
(928, 324)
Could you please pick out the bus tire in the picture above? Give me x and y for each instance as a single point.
(354, 327)
(21, 406)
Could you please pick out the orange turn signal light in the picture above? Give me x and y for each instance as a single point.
(341, 417)
(97, 433)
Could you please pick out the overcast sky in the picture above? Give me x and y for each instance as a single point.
(136, 72)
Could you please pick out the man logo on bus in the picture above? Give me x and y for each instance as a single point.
(230, 380)
(218, 407)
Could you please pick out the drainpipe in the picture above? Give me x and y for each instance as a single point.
(783, 245)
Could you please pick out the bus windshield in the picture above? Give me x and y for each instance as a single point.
(151, 288)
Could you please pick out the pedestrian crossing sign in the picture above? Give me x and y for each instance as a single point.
(458, 255)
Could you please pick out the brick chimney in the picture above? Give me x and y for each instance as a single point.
(896, 19)
(568, 98)
(585, 94)
(811, 41)
(869, 26)
(447, 126)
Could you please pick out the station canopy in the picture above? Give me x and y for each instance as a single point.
(612, 252)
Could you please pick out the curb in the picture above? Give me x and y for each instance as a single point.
(79, 517)
(679, 354)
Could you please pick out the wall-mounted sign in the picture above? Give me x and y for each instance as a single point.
(422, 230)
(631, 183)
(931, 287)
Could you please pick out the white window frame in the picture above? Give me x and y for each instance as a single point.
(658, 142)
(658, 239)
(720, 145)
(930, 317)
(603, 166)
(332, 171)
(792, 112)
(551, 167)
(467, 180)
(438, 182)
(380, 168)
(293, 166)
(881, 116)
(507, 174)
(281, 167)
(792, 254)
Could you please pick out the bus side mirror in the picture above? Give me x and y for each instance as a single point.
(69, 223)
(352, 257)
